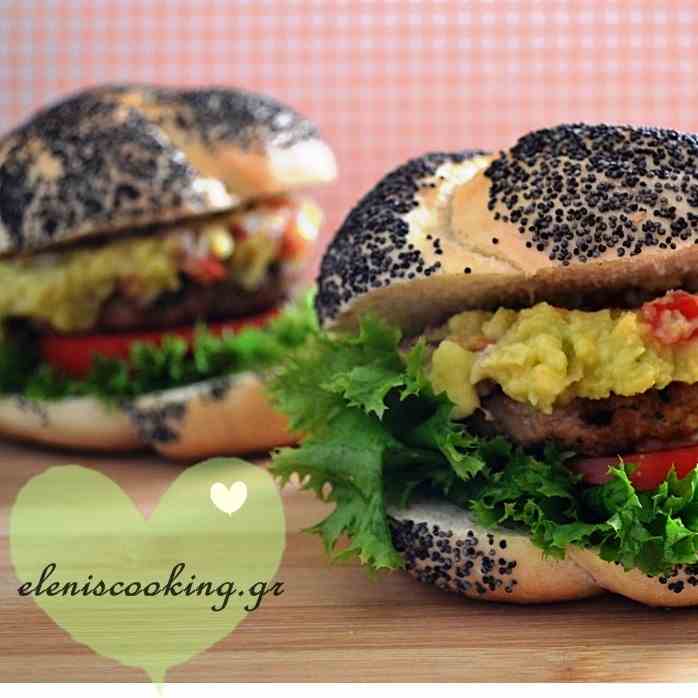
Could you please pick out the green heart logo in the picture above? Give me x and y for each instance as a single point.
(153, 592)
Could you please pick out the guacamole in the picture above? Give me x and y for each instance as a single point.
(546, 356)
(67, 289)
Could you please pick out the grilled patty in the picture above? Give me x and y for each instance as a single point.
(192, 303)
(596, 427)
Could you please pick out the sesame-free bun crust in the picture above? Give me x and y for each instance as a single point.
(441, 545)
(110, 159)
(570, 210)
(223, 416)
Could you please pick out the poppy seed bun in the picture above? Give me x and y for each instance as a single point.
(113, 158)
(679, 588)
(442, 546)
(568, 210)
(222, 416)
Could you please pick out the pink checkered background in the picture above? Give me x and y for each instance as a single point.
(384, 80)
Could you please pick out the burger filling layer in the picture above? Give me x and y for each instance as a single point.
(159, 308)
(86, 286)
(546, 356)
(573, 426)
(599, 383)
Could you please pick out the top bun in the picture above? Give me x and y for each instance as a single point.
(569, 211)
(113, 158)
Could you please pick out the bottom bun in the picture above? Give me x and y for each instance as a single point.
(222, 416)
(679, 588)
(441, 545)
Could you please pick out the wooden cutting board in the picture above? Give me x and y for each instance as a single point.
(334, 623)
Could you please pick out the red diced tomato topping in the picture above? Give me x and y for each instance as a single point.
(672, 318)
(206, 270)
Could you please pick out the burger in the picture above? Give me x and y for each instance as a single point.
(503, 395)
(150, 242)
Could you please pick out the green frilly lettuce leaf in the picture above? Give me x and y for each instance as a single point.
(150, 368)
(376, 433)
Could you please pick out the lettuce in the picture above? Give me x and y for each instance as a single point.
(150, 368)
(377, 433)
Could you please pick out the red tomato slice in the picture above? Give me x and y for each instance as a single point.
(72, 354)
(652, 468)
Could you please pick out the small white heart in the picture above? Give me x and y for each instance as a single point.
(228, 500)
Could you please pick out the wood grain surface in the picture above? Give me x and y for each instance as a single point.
(334, 623)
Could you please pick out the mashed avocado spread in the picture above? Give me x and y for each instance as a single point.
(546, 356)
(68, 288)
